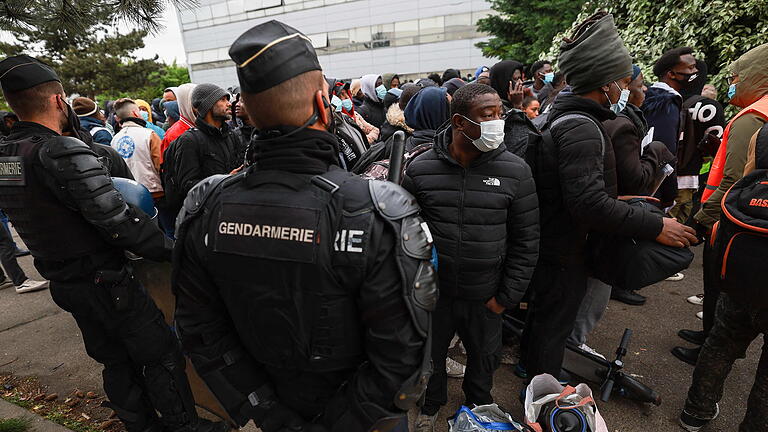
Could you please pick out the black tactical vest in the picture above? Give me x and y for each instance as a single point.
(51, 230)
(295, 261)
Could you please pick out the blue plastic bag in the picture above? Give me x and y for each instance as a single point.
(483, 418)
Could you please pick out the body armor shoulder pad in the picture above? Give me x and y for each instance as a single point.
(391, 200)
(198, 196)
(60, 146)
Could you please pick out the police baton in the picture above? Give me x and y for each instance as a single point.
(396, 158)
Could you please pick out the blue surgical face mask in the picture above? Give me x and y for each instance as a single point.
(144, 115)
(622, 102)
(346, 104)
(381, 91)
(549, 77)
(731, 91)
(336, 102)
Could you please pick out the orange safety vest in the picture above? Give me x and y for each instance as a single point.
(718, 164)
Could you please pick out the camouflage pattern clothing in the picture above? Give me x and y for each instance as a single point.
(736, 326)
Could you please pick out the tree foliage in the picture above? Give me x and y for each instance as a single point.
(523, 29)
(76, 15)
(96, 61)
(719, 31)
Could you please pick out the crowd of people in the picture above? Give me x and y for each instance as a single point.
(295, 269)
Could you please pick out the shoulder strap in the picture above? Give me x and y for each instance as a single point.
(98, 129)
(761, 148)
(575, 115)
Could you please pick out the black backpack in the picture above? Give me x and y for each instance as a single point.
(173, 197)
(740, 238)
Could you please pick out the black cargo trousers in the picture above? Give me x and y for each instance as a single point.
(144, 369)
(480, 331)
(736, 325)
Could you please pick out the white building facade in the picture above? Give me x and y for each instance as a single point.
(409, 37)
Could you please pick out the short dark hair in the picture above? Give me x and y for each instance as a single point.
(538, 65)
(463, 97)
(528, 100)
(436, 78)
(409, 91)
(669, 59)
(26, 103)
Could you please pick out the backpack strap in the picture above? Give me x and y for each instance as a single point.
(98, 129)
(575, 115)
(761, 148)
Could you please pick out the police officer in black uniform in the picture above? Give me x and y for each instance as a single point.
(303, 292)
(77, 226)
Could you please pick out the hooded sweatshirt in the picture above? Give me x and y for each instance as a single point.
(501, 75)
(752, 69)
(386, 79)
(149, 123)
(372, 109)
(425, 113)
(187, 120)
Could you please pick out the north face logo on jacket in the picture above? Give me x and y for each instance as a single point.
(492, 181)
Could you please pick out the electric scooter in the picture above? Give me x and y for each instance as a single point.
(598, 370)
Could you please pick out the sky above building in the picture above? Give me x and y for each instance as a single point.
(167, 43)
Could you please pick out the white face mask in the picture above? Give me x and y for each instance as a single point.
(491, 135)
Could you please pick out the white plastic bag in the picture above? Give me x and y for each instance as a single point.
(545, 388)
(483, 418)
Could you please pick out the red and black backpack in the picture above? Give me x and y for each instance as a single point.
(740, 238)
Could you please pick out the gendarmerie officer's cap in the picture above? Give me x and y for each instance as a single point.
(271, 53)
(21, 72)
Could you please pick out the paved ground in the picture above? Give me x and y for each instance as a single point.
(38, 424)
(36, 338)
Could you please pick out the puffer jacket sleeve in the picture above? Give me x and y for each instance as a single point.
(522, 240)
(580, 165)
(635, 173)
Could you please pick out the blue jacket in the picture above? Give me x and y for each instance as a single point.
(662, 111)
(102, 136)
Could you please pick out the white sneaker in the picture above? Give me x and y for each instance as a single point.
(697, 299)
(453, 368)
(676, 277)
(6, 284)
(425, 423)
(30, 285)
(700, 315)
(587, 348)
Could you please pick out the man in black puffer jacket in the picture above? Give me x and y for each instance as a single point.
(480, 203)
(575, 175)
(210, 147)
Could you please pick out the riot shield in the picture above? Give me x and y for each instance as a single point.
(156, 279)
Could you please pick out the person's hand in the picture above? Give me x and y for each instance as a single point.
(675, 234)
(517, 93)
(236, 170)
(647, 198)
(494, 306)
(280, 418)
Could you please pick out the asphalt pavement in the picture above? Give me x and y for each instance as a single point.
(37, 338)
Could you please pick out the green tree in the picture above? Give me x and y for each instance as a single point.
(523, 29)
(96, 61)
(719, 31)
(78, 14)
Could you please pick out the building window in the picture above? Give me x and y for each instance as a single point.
(319, 40)
(406, 32)
(381, 35)
(253, 5)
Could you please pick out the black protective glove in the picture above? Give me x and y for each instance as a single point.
(278, 418)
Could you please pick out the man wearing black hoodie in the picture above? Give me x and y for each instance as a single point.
(576, 184)
(487, 247)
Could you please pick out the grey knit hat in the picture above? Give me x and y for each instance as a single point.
(595, 55)
(205, 96)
